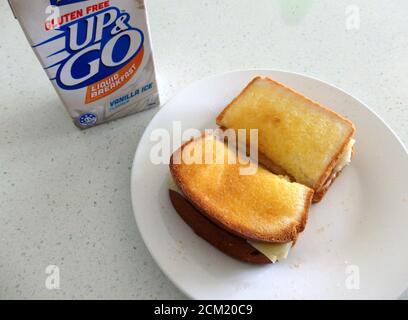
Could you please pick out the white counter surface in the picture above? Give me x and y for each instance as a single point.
(64, 193)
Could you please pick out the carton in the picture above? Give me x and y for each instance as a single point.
(97, 54)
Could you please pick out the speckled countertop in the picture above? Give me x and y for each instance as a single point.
(64, 193)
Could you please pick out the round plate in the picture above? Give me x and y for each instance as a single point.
(354, 243)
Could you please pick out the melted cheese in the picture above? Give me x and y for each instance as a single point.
(345, 158)
(273, 251)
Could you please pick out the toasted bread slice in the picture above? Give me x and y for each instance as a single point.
(261, 206)
(296, 134)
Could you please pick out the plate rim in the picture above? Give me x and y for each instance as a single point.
(205, 79)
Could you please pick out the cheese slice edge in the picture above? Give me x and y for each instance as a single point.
(345, 158)
(273, 251)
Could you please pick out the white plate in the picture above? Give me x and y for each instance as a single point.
(356, 237)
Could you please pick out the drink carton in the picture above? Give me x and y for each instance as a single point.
(97, 54)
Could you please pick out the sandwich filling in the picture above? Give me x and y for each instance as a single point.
(343, 161)
(345, 158)
(273, 251)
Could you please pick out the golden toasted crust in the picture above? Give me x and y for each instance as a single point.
(318, 196)
(222, 114)
(261, 206)
(272, 165)
(265, 161)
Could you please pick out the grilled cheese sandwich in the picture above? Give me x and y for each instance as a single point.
(264, 209)
(272, 251)
(297, 136)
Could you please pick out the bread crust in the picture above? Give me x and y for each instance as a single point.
(224, 241)
(318, 196)
(270, 165)
(285, 235)
(221, 115)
